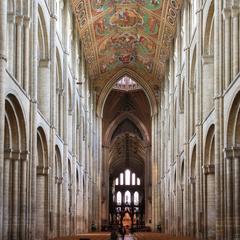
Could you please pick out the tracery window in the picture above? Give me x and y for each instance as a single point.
(117, 181)
(119, 198)
(133, 179)
(127, 197)
(138, 181)
(121, 179)
(127, 84)
(136, 198)
(127, 177)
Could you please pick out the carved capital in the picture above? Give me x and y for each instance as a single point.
(232, 152)
(192, 180)
(207, 59)
(11, 18)
(211, 168)
(226, 13)
(204, 169)
(236, 152)
(228, 153)
(44, 63)
(26, 21)
(235, 11)
(42, 170)
(7, 153)
(16, 155)
(59, 180)
(19, 20)
(24, 155)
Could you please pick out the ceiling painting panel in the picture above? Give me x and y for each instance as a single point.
(126, 33)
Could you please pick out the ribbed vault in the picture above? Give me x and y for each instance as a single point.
(127, 152)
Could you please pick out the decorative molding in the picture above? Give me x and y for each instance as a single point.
(100, 25)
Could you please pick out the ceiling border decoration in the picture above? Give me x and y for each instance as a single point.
(134, 34)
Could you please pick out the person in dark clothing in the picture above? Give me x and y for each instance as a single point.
(114, 235)
(123, 232)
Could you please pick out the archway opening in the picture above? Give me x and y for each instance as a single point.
(126, 132)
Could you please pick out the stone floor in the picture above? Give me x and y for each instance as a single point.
(127, 237)
(136, 236)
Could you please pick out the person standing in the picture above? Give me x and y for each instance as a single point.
(114, 235)
(123, 232)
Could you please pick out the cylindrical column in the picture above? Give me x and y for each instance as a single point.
(218, 89)
(33, 119)
(52, 184)
(15, 197)
(236, 200)
(6, 199)
(19, 25)
(23, 200)
(229, 197)
(3, 60)
(227, 47)
(193, 203)
(11, 42)
(26, 22)
(235, 41)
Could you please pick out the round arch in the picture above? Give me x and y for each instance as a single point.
(233, 121)
(42, 148)
(209, 146)
(17, 122)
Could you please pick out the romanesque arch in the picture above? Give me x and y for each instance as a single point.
(15, 170)
(232, 168)
(43, 90)
(209, 183)
(58, 191)
(193, 200)
(42, 188)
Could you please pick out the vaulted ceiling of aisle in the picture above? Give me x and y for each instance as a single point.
(136, 34)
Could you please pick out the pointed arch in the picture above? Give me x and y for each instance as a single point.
(139, 79)
(126, 115)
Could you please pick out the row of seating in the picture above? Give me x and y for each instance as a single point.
(137, 235)
(87, 236)
(159, 236)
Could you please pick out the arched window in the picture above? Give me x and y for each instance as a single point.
(127, 197)
(127, 177)
(119, 198)
(138, 181)
(121, 179)
(117, 181)
(133, 179)
(136, 198)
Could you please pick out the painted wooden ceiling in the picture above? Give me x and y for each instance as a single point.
(135, 34)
